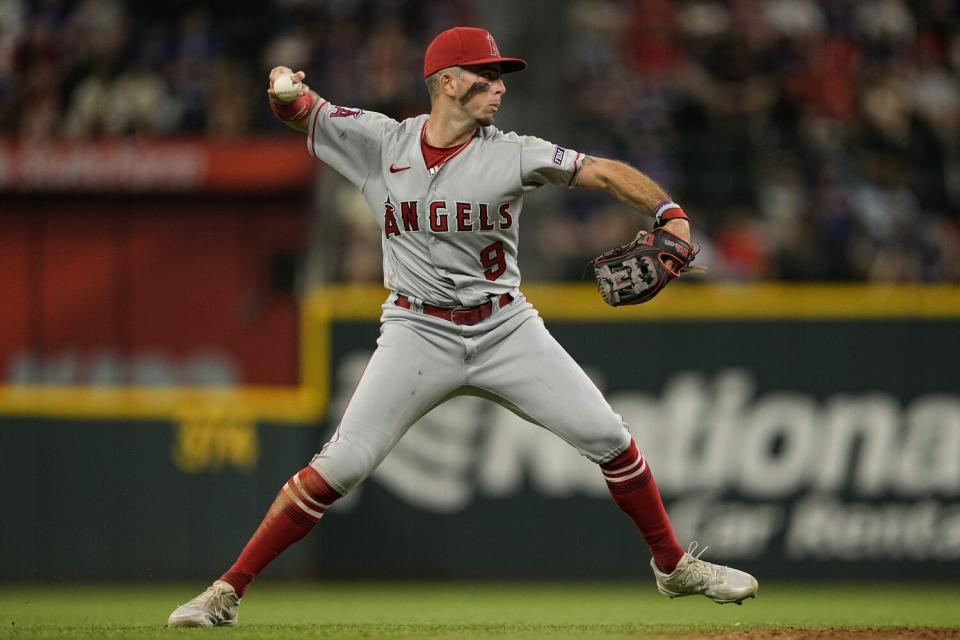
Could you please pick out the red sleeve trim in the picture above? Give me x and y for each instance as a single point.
(576, 169)
(313, 127)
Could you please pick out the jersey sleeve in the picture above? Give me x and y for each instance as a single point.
(542, 162)
(347, 139)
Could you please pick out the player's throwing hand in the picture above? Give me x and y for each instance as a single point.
(294, 101)
(297, 78)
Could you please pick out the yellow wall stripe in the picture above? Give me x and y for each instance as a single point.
(281, 404)
(695, 301)
(764, 301)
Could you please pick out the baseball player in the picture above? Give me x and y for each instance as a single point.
(447, 191)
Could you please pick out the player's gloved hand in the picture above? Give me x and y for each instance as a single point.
(679, 227)
(636, 272)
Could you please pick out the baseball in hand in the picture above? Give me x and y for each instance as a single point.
(286, 89)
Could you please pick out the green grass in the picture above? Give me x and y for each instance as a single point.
(464, 610)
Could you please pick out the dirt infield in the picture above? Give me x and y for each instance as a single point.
(834, 634)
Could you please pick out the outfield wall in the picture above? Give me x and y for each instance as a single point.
(798, 431)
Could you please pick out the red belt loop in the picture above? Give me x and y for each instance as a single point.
(458, 315)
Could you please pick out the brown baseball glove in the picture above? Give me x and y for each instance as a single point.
(636, 272)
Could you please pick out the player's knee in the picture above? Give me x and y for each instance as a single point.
(340, 480)
(317, 487)
(343, 467)
(602, 444)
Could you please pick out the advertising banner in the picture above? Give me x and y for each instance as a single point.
(173, 166)
(796, 449)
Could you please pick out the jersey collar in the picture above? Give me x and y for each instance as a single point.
(435, 170)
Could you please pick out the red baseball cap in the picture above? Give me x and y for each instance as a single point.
(463, 46)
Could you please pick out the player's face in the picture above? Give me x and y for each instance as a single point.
(482, 92)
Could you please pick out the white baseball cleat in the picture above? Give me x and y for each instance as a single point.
(694, 576)
(215, 607)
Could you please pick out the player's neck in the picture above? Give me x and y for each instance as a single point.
(447, 130)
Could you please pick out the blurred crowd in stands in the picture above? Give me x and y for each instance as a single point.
(816, 140)
(810, 140)
(93, 68)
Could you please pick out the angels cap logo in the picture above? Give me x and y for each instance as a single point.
(494, 51)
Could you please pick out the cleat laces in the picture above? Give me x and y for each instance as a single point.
(217, 599)
(700, 572)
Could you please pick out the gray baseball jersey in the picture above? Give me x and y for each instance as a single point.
(449, 235)
(449, 238)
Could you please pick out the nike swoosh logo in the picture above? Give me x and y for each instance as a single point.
(396, 169)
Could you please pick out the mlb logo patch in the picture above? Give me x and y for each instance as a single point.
(558, 156)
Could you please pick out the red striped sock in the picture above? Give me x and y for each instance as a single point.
(298, 507)
(631, 484)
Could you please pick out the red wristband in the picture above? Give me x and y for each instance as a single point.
(294, 110)
(666, 211)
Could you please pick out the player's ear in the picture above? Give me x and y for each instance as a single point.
(449, 79)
